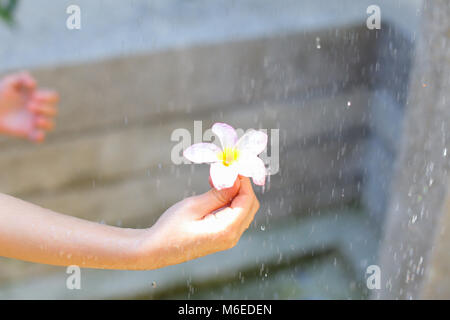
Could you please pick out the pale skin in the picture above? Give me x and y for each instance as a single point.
(26, 111)
(192, 228)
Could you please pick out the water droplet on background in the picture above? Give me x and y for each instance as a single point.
(318, 46)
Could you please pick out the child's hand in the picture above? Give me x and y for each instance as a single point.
(199, 225)
(24, 110)
(192, 228)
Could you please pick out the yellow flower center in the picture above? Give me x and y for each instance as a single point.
(228, 156)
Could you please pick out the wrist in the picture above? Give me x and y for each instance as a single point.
(146, 250)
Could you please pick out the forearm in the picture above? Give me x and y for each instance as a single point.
(32, 233)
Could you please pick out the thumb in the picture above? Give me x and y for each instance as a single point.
(215, 199)
(19, 81)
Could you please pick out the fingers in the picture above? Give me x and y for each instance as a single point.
(228, 224)
(43, 105)
(37, 136)
(251, 216)
(44, 123)
(27, 81)
(214, 199)
(30, 111)
(43, 109)
(246, 196)
(20, 81)
(243, 207)
(46, 96)
(43, 102)
(210, 182)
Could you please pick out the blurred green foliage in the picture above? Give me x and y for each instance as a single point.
(7, 8)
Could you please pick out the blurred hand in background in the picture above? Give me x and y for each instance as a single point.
(26, 111)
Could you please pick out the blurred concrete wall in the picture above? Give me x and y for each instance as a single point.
(437, 282)
(325, 80)
(414, 254)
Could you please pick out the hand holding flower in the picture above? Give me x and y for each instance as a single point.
(199, 225)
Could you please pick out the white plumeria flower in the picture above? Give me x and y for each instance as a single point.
(237, 157)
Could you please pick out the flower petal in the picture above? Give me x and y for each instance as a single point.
(252, 166)
(252, 141)
(202, 153)
(226, 133)
(222, 176)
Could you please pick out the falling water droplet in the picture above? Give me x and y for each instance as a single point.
(414, 219)
(154, 284)
(318, 46)
(445, 152)
(263, 228)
